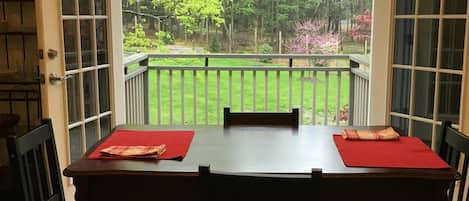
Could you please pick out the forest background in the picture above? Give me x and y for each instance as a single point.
(248, 26)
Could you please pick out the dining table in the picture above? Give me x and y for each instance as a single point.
(252, 149)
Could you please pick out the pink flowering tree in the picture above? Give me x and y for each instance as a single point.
(310, 38)
(362, 29)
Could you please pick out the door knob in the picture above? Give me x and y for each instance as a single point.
(56, 79)
(51, 53)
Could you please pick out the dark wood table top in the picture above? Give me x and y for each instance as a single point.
(252, 149)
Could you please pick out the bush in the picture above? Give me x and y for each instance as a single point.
(265, 49)
(136, 40)
(214, 45)
(165, 37)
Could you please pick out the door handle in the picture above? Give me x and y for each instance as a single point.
(56, 79)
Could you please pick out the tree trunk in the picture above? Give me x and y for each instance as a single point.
(255, 35)
(207, 23)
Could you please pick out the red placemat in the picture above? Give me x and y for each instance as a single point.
(407, 152)
(177, 142)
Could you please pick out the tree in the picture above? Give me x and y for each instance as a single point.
(311, 38)
(362, 29)
(191, 13)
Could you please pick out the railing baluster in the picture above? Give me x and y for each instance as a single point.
(360, 94)
(266, 90)
(365, 102)
(326, 98)
(254, 91)
(302, 95)
(140, 99)
(133, 102)
(206, 96)
(278, 91)
(337, 118)
(182, 98)
(218, 97)
(130, 102)
(230, 88)
(361, 101)
(313, 109)
(242, 90)
(127, 102)
(158, 96)
(356, 100)
(195, 96)
(367, 91)
(290, 74)
(170, 97)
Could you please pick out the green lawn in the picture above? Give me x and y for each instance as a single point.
(236, 91)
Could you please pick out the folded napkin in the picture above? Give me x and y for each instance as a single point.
(385, 134)
(134, 151)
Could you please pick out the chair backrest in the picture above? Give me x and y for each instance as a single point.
(290, 119)
(452, 144)
(35, 165)
(226, 186)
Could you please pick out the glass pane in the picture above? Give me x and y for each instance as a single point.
(403, 41)
(90, 132)
(453, 44)
(429, 7)
(73, 98)
(105, 126)
(405, 7)
(424, 94)
(401, 91)
(68, 7)
(450, 96)
(455, 6)
(70, 44)
(103, 76)
(423, 131)
(86, 43)
(75, 143)
(89, 93)
(101, 41)
(85, 7)
(401, 125)
(100, 7)
(427, 42)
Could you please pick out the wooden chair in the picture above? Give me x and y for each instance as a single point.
(290, 119)
(34, 165)
(218, 186)
(452, 144)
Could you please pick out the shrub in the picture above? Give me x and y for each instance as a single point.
(214, 45)
(265, 49)
(136, 40)
(165, 37)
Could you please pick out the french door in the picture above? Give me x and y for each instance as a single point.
(87, 71)
(428, 65)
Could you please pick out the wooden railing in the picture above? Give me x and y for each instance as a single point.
(196, 92)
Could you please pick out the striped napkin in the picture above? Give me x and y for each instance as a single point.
(385, 134)
(151, 152)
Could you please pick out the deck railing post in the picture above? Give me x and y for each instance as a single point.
(353, 64)
(144, 63)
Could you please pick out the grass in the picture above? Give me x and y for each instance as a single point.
(239, 95)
